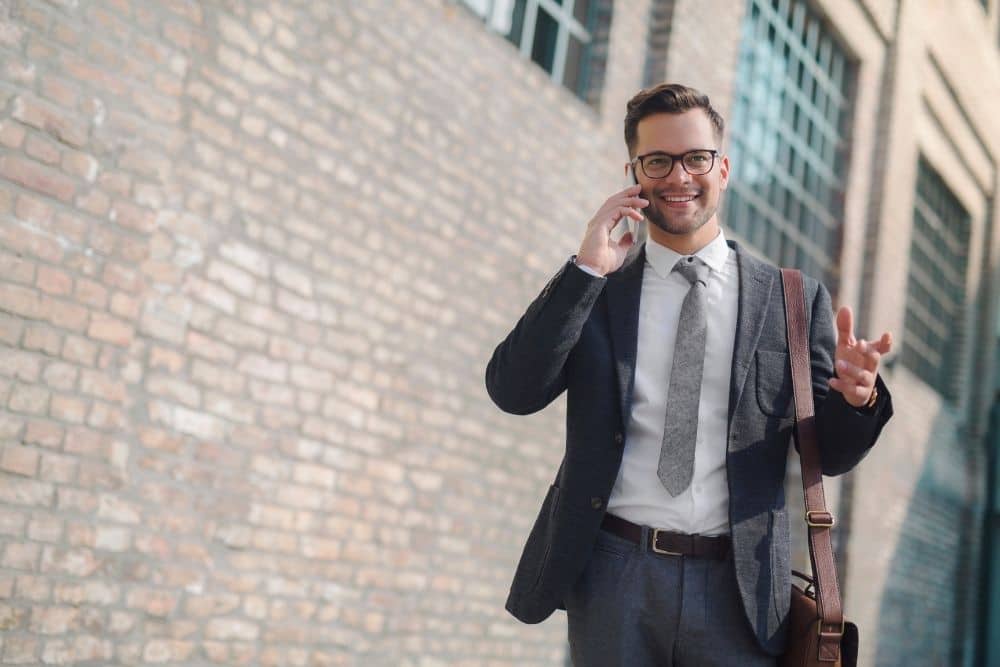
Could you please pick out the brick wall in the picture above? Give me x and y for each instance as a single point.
(254, 256)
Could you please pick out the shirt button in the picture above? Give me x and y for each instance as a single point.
(619, 438)
(596, 502)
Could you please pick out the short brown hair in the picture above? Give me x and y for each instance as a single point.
(667, 98)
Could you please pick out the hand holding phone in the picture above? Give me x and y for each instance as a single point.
(627, 224)
(611, 232)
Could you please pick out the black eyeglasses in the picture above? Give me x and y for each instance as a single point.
(659, 164)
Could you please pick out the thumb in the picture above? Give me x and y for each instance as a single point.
(845, 326)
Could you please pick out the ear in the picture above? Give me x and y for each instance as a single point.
(724, 172)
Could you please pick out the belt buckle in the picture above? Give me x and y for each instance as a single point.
(663, 552)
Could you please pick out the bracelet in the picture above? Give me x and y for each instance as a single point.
(870, 403)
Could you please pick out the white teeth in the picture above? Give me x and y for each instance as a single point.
(670, 198)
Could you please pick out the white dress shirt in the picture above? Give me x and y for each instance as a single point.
(638, 495)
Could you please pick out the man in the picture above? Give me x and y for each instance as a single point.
(665, 533)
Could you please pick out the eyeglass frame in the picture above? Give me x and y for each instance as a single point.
(675, 158)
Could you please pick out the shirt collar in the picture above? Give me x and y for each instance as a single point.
(663, 259)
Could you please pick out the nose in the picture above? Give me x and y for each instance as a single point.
(678, 175)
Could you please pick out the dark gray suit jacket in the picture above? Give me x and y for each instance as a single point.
(580, 335)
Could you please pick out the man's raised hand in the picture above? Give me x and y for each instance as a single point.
(856, 361)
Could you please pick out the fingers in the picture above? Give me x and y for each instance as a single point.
(856, 395)
(631, 196)
(624, 211)
(620, 205)
(854, 374)
(884, 344)
(845, 326)
(862, 354)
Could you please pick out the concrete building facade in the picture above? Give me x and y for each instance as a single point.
(254, 257)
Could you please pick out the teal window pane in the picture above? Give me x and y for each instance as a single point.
(935, 293)
(558, 35)
(788, 137)
(543, 47)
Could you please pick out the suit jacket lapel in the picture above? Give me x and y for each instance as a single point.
(755, 293)
(623, 290)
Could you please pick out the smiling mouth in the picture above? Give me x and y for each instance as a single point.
(678, 199)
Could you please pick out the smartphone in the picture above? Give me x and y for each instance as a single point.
(626, 225)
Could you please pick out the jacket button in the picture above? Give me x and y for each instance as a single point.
(619, 438)
(596, 503)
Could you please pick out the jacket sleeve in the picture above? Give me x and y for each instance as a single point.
(845, 434)
(527, 369)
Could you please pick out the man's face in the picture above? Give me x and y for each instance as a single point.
(680, 204)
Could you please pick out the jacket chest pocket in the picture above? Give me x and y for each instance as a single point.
(774, 383)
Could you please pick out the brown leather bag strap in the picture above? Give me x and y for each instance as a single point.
(818, 519)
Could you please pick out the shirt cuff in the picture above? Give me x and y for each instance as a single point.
(584, 268)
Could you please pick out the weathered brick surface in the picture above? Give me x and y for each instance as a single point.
(253, 259)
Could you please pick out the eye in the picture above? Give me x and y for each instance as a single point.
(657, 162)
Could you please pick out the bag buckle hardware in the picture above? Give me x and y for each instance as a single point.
(843, 628)
(823, 520)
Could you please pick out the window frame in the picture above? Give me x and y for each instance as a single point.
(567, 25)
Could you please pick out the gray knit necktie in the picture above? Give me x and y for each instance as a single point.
(680, 429)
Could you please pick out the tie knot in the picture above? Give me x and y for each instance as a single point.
(693, 269)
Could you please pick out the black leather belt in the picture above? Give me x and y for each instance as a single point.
(669, 543)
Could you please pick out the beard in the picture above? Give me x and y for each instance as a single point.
(677, 224)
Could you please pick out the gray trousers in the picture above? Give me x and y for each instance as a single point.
(634, 608)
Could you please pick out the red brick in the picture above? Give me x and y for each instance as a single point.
(65, 33)
(81, 440)
(11, 328)
(59, 90)
(189, 9)
(42, 338)
(59, 375)
(60, 124)
(71, 227)
(68, 408)
(37, 177)
(26, 241)
(110, 329)
(42, 150)
(79, 350)
(19, 460)
(120, 276)
(11, 134)
(95, 202)
(57, 468)
(54, 281)
(17, 269)
(80, 70)
(80, 164)
(133, 217)
(91, 293)
(65, 314)
(19, 71)
(44, 433)
(101, 385)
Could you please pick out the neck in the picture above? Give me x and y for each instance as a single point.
(686, 244)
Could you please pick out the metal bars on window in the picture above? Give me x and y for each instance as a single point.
(935, 292)
(555, 34)
(789, 137)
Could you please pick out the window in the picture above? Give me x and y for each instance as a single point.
(788, 139)
(567, 38)
(935, 292)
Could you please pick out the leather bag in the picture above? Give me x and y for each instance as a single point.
(818, 634)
